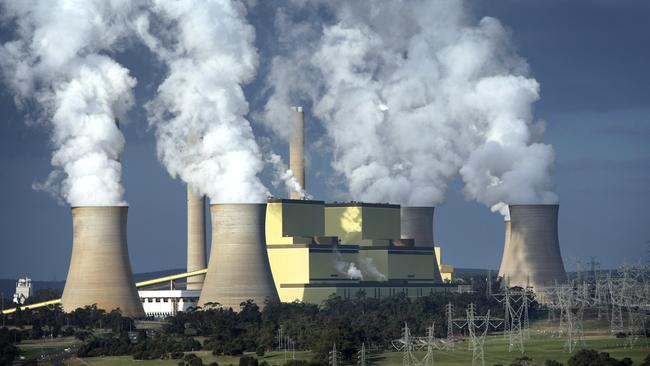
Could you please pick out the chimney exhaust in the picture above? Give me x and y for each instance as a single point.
(296, 150)
(100, 270)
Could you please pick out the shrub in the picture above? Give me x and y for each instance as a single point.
(248, 361)
(552, 363)
(259, 351)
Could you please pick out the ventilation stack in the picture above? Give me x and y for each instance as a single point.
(195, 238)
(417, 223)
(100, 270)
(296, 150)
(239, 267)
(532, 252)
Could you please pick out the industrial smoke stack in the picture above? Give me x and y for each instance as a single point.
(239, 267)
(195, 238)
(532, 253)
(417, 223)
(296, 150)
(505, 260)
(100, 270)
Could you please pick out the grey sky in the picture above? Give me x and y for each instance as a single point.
(590, 58)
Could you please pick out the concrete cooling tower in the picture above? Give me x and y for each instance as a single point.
(100, 270)
(417, 223)
(195, 238)
(505, 260)
(532, 250)
(296, 150)
(239, 267)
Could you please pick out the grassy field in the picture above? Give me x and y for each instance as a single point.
(539, 348)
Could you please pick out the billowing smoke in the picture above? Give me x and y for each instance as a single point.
(59, 71)
(282, 174)
(372, 272)
(349, 269)
(198, 113)
(412, 93)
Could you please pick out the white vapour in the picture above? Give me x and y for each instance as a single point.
(349, 269)
(281, 173)
(368, 267)
(198, 113)
(412, 93)
(57, 65)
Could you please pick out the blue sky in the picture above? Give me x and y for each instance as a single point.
(590, 57)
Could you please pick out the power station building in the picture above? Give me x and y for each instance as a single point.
(316, 250)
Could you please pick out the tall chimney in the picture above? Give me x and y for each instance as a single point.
(100, 270)
(296, 150)
(532, 255)
(195, 238)
(417, 223)
(239, 267)
(505, 259)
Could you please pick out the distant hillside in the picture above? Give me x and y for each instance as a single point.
(8, 286)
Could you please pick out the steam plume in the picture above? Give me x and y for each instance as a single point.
(58, 61)
(198, 114)
(412, 93)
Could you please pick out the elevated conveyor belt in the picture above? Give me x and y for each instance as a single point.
(137, 285)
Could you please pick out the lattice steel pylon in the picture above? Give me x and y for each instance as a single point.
(334, 356)
(361, 355)
(516, 324)
(406, 346)
(478, 327)
(450, 325)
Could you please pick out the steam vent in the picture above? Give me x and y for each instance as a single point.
(195, 238)
(417, 224)
(239, 266)
(100, 270)
(532, 250)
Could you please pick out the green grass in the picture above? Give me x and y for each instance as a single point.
(539, 348)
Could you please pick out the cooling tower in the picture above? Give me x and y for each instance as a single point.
(296, 147)
(100, 270)
(195, 238)
(239, 267)
(505, 260)
(532, 252)
(417, 223)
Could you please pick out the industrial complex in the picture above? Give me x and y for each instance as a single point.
(295, 249)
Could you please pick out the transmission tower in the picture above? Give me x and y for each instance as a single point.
(450, 325)
(478, 327)
(516, 325)
(361, 355)
(334, 356)
(489, 284)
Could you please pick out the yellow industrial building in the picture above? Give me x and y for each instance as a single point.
(316, 250)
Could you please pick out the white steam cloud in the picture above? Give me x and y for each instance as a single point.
(412, 93)
(57, 65)
(281, 173)
(199, 113)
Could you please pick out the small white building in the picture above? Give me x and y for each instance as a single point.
(163, 303)
(23, 290)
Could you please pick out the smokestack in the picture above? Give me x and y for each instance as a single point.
(296, 147)
(532, 253)
(417, 223)
(505, 260)
(195, 238)
(239, 267)
(100, 270)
